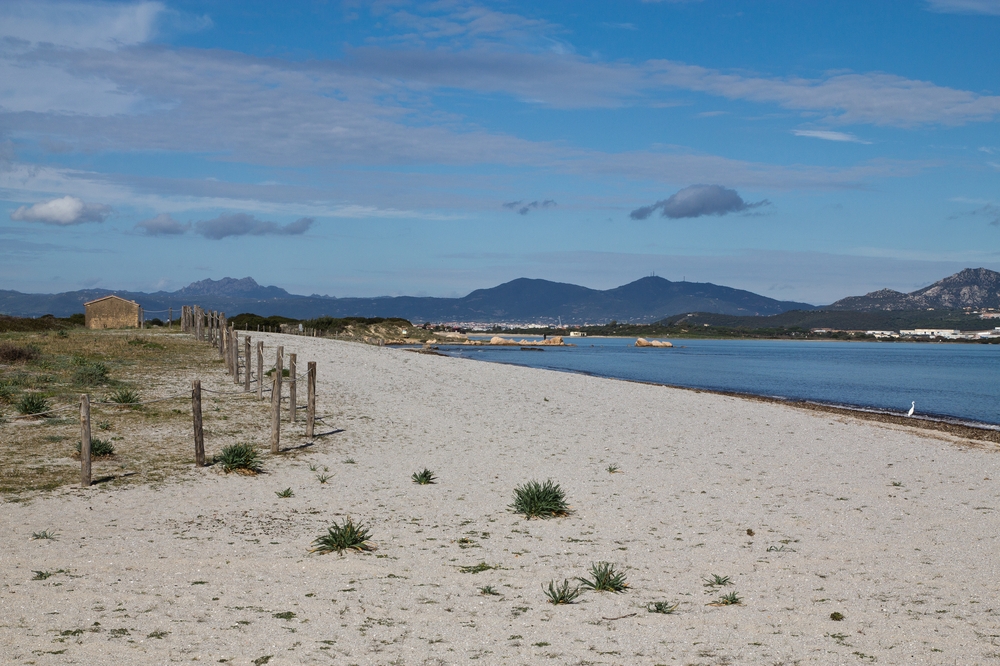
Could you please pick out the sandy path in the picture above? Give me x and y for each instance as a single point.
(197, 570)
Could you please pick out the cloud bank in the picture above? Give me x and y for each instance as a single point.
(162, 225)
(990, 7)
(698, 200)
(241, 224)
(525, 208)
(62, 212)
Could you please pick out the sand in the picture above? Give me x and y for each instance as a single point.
(894, 528)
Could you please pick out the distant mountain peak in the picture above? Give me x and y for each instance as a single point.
(969, 288)
(244, 287)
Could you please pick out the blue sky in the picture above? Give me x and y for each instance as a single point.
(802, 150)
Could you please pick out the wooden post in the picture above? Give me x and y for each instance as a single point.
(311, 409)
(260, 369)
(235, 354)
(170, 317)
(84, 441)
(199, 433)
(291, 388)
(276, 403)
(246, 365)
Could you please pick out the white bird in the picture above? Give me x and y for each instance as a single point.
(913, 405)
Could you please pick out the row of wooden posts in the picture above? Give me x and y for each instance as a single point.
(214, 328)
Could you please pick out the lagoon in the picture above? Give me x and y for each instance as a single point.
(949, 381)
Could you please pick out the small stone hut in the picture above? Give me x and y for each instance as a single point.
(113, 312)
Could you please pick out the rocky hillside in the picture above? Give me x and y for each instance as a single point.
(970, 288)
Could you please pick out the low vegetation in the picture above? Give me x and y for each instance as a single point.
(540, 500)
(423, 477)
(344, 536)
(604, 577)
(99, 448)
(240, 457)
(561, 593)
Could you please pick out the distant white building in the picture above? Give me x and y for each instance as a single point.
(932, 333)
(883, 334)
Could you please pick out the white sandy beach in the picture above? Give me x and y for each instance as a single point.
(197, 569)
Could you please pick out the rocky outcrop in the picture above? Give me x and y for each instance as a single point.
(970, 288)
(643, 342)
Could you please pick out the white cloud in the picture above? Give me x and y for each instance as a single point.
(163, 225)
(991, 7)
(828, 135)
(103, 25)
(62, 212)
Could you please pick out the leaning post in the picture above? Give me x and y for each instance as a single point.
(260, 369)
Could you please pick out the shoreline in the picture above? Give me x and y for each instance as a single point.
(977, 430)
(807, 517)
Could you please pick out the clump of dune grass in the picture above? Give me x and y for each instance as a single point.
(715, 580)
(99, 448)
(664, 607)
(287, 492)
(836, 616)
(731, 599)
(343, 536)
(241, 457)
(488, 590)
(540, 500)
(605, 578)
(423, 477)
(126, 397)
(44, 534)
(33, 404)
(562, 593)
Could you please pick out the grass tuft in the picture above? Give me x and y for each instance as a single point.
(562, 593)
(476, 568)
(605, 578)
(44, 534)
(836, 617)
(323, 478)
(241, 457)
(99, 448)
(613, 469)
(716, 580)
(91, 373)
(664, 607)
(287, 492)
(540, 500)
(33, 404)
(346, 536)
(488, 590)
(731, 599)
(424, 477)
(127, 397)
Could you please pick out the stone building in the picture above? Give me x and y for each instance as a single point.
(113, 312)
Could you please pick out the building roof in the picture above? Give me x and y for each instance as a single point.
(104, 298)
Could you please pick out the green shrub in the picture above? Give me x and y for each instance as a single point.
(241, 457)
(341, 537)
(540, 500)
(32, 404)
(664, 607)
(99, 448)
(605, 578)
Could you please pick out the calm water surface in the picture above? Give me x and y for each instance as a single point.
(960, 381)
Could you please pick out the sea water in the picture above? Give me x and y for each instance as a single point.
(945, 380)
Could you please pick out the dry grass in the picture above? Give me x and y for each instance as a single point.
(152, 443)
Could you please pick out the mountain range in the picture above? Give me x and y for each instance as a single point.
(522, 300)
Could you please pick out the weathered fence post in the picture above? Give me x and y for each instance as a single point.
(199, 433)
(84, 440)
(276, 402)
(291, 388)
(311, 400)
(246, 365)
(260, 369)
(235, 353)
(170, 317)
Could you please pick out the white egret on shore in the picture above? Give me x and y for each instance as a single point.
(913, 405)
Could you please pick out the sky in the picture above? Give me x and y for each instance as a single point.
(801, 149)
